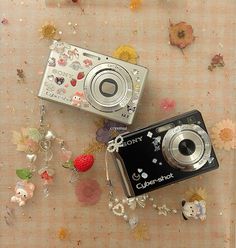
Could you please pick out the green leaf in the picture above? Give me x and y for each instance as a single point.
(24, 173)
(34, 134)
(68, 165)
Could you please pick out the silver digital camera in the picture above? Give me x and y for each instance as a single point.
(93, 82)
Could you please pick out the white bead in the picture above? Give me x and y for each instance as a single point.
(110, 205)
(151, 199)
(125, 217)
(154, 205)
(116, 200)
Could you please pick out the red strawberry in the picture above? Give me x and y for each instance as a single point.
(80, 75)
(83, 162)
(73, 82)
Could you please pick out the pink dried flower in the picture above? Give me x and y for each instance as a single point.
(4, 21)
(88, 192)
(167, 104)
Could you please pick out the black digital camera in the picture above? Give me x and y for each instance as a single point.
(164, 153)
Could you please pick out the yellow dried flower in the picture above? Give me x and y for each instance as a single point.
(141, 232)
(126, 53)
(135, 4)
(63, 233)
(48, 31)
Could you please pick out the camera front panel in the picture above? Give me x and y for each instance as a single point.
(93, 82)
(145, 165)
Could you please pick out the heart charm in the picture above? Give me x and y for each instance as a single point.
(51, 78)
(31, 157)
(144, 175)
(118, 209)
(140, 170)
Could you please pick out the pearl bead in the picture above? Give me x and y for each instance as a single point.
(125, 217)
(154, 205)
(116, 200)
(110, 205)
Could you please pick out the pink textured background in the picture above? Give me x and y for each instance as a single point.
(104, 26)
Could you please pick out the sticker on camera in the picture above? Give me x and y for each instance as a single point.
(73, 54)
(88, 62)
(156, 143)
(75, 65)
(59, 47)
(78, 100)
(52, 62)
(136, 176)
(62, 61)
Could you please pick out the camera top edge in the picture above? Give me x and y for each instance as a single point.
(101, 54)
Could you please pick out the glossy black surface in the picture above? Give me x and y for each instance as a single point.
(143, 161)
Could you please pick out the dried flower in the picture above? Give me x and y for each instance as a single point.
(88, 192)
(21, 76)
(141, 232)
(196, 194)
(135, 4)
(167, 104)
(216, 61)
(4, 21)
(181, 34)
(109, 130)
(63, 233)
(224, 134)
(48, 31)
(93, 147)
(126, 53)
(27, 139)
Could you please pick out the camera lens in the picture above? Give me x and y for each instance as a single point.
(187, 147)
(108, 87)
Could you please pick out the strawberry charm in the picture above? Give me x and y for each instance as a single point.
(80, 75)
(83, 162)
(73, 82)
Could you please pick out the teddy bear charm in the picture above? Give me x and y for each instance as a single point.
(24, 190)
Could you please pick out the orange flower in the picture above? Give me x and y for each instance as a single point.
(135, 4)
(181, 34)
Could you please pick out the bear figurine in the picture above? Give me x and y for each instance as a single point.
(23, 191)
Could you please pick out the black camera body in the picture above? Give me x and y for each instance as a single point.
(164, 153)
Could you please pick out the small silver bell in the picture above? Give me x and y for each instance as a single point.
(50, 135)
(31, 157)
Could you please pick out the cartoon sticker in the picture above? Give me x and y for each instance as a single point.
(156, 143)
(73, 54)
(77, 99)
(52, 62)
(75, 65)
(59, 80)
(88, 62)
(73, 82)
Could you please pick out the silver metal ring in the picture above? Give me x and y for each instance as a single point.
(114, 76)
(176, 151)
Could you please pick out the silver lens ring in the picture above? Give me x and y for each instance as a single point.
(108, 87)
(186, 147)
